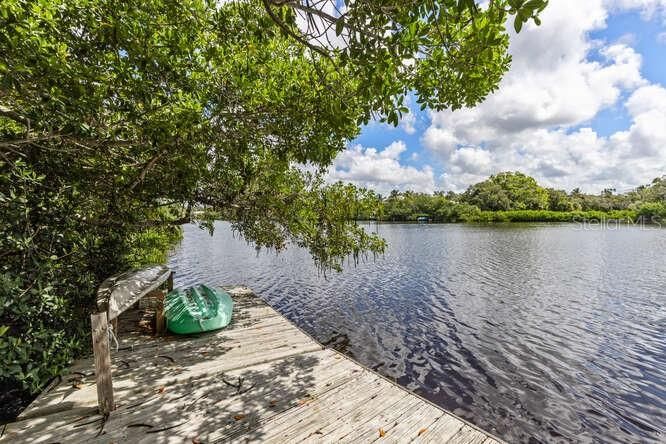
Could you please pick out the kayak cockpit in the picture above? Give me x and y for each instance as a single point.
(197, 309)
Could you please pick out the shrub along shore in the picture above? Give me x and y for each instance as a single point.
(515, 197)
(622, 216)
(55, 332)
(618, 216)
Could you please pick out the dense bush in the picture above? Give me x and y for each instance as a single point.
(54, 255)
(514, 197)
(507, 191)
(654, 212)
(553, 216)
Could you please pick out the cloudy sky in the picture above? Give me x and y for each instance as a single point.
(584, 104)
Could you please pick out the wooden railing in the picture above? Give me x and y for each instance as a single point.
(115, 295)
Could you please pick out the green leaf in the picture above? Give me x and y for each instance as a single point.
(518, 23)
(339, 26)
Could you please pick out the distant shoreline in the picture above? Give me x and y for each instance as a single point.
(626, 217)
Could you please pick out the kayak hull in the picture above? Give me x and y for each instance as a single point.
(197, 309)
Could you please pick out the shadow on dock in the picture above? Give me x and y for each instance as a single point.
(259, 380)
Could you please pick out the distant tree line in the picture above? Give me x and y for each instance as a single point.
(514, 196)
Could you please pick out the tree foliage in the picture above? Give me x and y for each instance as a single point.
(508, 191)
(450, 53)
(121, 120)
(515, 197)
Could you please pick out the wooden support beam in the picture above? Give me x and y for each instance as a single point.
(100, 337)
(114, 324)
(160, 321)
(170, 282)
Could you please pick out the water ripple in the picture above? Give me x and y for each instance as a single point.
(539, 333)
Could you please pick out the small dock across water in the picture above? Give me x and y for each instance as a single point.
(259, 380)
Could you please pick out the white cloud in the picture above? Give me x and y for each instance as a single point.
(560, 79)
(628, 39)
(442, 140)
(380, 170)
(646, 99)
(646, 138)
(471, 160)
(566, 159)
(648, 8)
(408, 122)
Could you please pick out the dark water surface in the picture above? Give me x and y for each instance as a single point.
(542, 333)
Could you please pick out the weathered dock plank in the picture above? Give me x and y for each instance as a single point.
(259, 380)
(442, 430)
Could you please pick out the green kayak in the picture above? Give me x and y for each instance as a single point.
(197, 309)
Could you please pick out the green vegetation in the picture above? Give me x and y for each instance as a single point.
(515, 197)
(553, 216)
(120, 121)
(507, 191)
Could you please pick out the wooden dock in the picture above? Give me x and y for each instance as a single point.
(259, 380)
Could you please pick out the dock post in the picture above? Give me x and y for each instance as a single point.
(102, 353)
(160, 321)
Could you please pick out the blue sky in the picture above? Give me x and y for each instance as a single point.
(644, 36)
(584, 104)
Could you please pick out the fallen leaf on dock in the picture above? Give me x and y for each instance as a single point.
(305, 400)
(382, 433)
(273, 402)
(421, 432)
(77, 385)
(161, 389)
(239, 417)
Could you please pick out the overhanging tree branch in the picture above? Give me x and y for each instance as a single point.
(149, 166)
(13, 115)
(291, 33)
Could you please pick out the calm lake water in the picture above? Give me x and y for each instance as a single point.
(538, 333)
